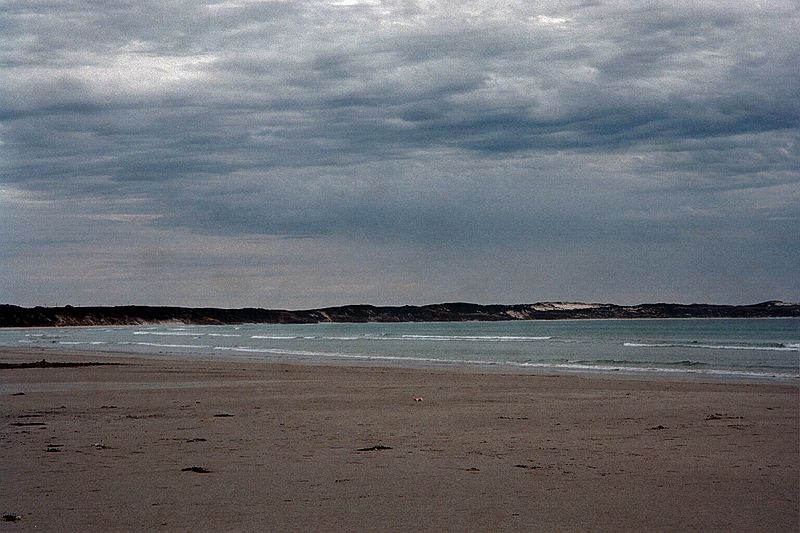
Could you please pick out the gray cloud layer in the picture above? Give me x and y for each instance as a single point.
(309, 153)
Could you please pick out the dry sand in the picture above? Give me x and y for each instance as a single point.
(104, 448)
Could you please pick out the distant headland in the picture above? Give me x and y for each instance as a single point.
(15, 316)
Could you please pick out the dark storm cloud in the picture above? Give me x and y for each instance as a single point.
(430, 125)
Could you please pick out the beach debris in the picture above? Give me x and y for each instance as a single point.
(418, 399)
(473, 469)
(23, 394)
(197, 469)
(657, 427)
(720, 416)
(11, 517)
(52, 449)
(374, 448)
(198, 439)
(99, 446)
(23, 424)
(222, 415)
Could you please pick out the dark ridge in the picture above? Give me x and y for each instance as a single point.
(48, 364)
(15, 316)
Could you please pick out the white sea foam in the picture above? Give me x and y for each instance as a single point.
(390, 337)
(160, 345)
(658, 370)
(479, 338)
(567, 366)
(176, 333)
(277, 351)
(277, 337)
(337, 355)
(788, 347)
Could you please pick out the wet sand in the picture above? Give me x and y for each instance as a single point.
(309, 448)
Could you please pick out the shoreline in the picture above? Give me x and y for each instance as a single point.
(389, 363)
(298, 447)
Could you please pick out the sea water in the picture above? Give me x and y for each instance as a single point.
(767, 349)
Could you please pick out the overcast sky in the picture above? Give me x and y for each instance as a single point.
(307, 153)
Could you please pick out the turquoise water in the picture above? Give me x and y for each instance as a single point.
(721, 348)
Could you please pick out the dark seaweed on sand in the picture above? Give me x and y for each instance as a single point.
(198, 469)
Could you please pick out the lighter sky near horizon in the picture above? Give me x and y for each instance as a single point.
(301, 154)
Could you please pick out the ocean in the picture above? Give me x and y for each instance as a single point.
(761, 349)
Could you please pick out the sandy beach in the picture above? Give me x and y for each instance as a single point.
(180, 445)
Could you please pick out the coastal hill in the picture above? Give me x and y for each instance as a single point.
(15, 316)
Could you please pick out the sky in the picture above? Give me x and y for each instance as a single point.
(298, 154)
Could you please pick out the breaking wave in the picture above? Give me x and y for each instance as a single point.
(685, 362)
(479, 338)
(777, 347)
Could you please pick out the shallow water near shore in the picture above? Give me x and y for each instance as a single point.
(767, 349)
